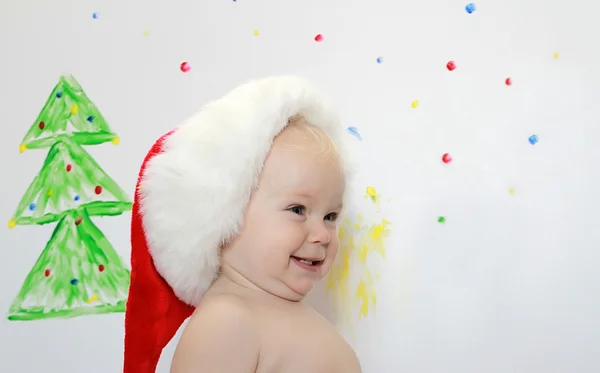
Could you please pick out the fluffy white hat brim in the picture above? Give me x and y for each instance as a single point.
(195, 192)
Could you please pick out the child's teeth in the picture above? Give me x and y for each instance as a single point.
(309, 262)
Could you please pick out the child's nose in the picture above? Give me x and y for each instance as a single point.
(319, 234)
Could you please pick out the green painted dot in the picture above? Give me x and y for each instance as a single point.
(441, 219)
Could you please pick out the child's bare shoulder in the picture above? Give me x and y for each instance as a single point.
(223, 326)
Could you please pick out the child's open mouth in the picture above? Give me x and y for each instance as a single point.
(309, 265)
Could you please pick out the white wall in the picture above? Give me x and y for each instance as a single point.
(509, 283)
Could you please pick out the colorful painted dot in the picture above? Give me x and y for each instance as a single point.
(379, 59)
(371, 191)
(533, 139)
(101, 268)
(95, 15)
(42, 125)
(354, 132)
(446, 158)
(74, 109)
(92, 298)
(50, 193)
(451, 65)
(116, 141)
(319, 38)
(556, 56)
(441, 219)
(69, 167)
(145, 32)
(90, 119)
(31, 206)
(185, 67)
(256, 33)
(511, 191)
(76, 198)
(78, 221)
(98, 189)
(58, 94)
(470, 8)
(22, 148)
(47, 272)
(74, 281)
(508, 81)
(415, 104)
(12, 223)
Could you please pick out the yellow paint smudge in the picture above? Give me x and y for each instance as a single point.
(511, 191)
(359, 242)
(256, 33)
(93, 298)
(556, 56)
(373, 195)
(12, 223)
(415, 104)
(74, 109)
(116, 141)
(22, 148)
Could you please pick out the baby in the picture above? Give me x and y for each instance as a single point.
(248, 315)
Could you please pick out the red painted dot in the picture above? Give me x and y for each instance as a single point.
(451, 65)
(185, 67)
(47, 273)
(508, 81)
(69, 168)
(98, 189)
(78, 221)
(101, 267)
(446, 158)
(42, 125)
(319, 37)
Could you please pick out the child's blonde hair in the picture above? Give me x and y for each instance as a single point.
(323, 143)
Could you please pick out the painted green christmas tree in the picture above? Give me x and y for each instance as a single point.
(79, 271)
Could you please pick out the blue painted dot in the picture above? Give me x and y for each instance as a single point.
(379, 60)
(90, 119)
(470, 8)
(354, 131)
(32, 207)
(533, 139)
(95, 15)
(58, 94)
(76, 198)
(74, 281)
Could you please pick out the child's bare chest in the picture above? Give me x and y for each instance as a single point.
(304, 342)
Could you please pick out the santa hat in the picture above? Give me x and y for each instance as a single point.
(192, 191)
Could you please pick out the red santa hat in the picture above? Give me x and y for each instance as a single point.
(192, 191)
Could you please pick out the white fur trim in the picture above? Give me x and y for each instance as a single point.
(195, 192)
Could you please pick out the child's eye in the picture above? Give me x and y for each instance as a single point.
(331, 217)
(299, 210)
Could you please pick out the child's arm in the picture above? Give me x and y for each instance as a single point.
(221, 337)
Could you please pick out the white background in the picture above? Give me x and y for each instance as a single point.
(510, 283)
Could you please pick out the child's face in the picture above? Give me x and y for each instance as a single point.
(291, 216)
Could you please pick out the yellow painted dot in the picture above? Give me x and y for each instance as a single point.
(22, 148)
(511, 191)
(74, 109)
(415, 103)
(93, 298)
(371, 191)
(12, 223)
(139, 187)
(146, 33)
(556, 55)
(116, 141)
(256, 33)
(50, 193)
